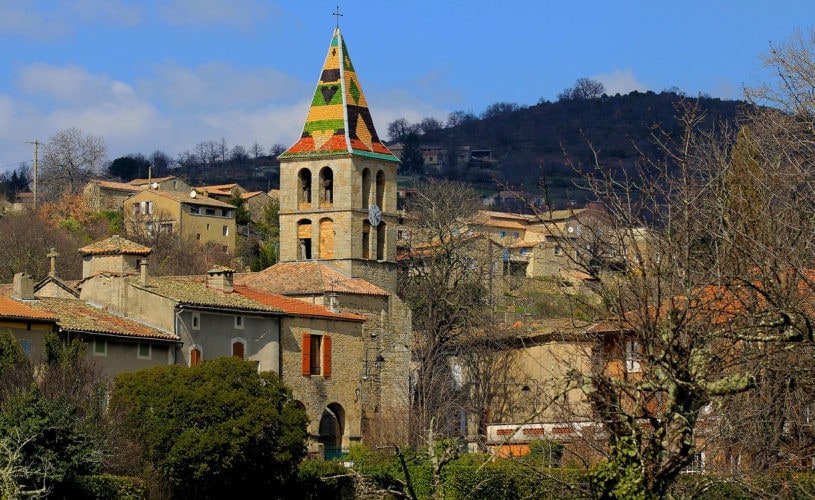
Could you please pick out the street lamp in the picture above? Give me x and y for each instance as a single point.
(377, 361)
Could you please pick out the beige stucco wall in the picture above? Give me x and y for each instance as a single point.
(33, 332)
(122, 356)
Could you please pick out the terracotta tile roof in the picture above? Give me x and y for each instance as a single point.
(198, 200)
(339, 121)
(192, 290)
(115, 245)
(274, 193)
(295, 307)
(252, 194)
(292, 278)
(221, 189)
(139, 182)
(14, 309)
(80, 316)
(121, 186)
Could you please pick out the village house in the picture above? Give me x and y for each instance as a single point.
(198, 217)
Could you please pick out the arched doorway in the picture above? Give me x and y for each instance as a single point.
(332, 426)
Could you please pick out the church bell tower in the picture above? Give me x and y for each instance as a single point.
(338, 182)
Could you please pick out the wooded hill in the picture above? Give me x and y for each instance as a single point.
(522, 139)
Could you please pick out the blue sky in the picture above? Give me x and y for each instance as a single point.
(169, 74)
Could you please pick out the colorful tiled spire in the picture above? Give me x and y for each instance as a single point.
(339, 121)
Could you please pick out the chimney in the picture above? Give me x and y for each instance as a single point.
(333, 304)
(143, 271)
(221, 279)
(23, 287)
(52, 258)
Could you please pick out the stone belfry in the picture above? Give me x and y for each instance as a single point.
(338, 182)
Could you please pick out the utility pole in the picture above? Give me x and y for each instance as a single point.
(36, 144)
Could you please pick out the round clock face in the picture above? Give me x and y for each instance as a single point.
(374, 215)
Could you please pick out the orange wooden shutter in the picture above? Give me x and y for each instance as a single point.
(306, 369)
(326, 356)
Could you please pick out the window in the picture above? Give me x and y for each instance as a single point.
(150, 207)
(524, 251)
(198, 236)
(225, 230)
(316, 355)
(502, 233)
(26, 345)
(143, 351)
(558, 250)
(196, 320)
(195, 210)
(195, 356)
(207, 227)
(166, 227)
(633, 356)
(136, 208)
(697, 463)
(516, 235)
(239, 322)
(238, 348)
(100, 347)
(143, 207)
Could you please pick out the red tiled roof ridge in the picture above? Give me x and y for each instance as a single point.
(295, 307)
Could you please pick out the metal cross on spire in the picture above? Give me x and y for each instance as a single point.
(337, 13)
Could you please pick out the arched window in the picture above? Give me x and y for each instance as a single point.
(238, 348)
(195, 355)
(366, 240)
(326, 239)
(366, 188)
(326, 187)
(304, 240)
(380, 189)
(381, 233)
(304, 188)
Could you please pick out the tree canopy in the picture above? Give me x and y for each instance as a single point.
(216, 429)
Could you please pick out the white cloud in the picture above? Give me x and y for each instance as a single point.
(241, 14)
(620, 81)
(22, 19)
(218, 85)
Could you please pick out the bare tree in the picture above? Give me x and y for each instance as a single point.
(70, 158)
(718, 241)
(584, 89)
(444, 279)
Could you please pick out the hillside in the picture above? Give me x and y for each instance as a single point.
(523, 139)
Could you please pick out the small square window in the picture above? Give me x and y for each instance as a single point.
(503, 233)
(558, 250)
(143, 351)
(196, 321)
(239, 322)
(26, 345)
(100, 347)
(516, 235)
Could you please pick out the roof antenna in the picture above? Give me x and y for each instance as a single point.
(338, 16)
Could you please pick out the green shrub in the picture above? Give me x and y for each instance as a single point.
(104, 487)
(317, 479)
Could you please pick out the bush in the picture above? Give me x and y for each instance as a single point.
(104, 487)
(317, 479)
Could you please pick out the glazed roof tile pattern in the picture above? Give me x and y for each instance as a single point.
(295, 307)
(16, 310)
(339, 121)
(79, 316)
(291, 278)
(113, 246)
(193, 291)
